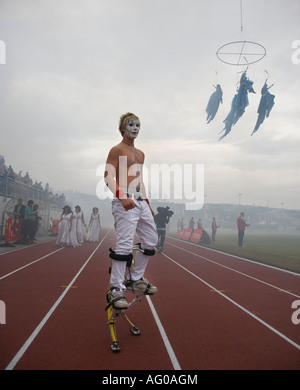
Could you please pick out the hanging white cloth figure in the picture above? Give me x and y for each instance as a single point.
(94, 225)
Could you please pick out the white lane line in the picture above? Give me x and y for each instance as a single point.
(27, 265)
(8, 252)
(238, 305)
(234, 270)
(164, 336)
(238, 257)
(26, 345)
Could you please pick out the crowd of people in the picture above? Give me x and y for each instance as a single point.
(73, 230)
(29, 220)
(26, 179)
(22, 184)
(241, 225)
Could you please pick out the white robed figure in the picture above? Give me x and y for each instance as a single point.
(77, 225)
(94, 225)
(64, 229)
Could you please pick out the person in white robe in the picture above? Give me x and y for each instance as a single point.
(64, 229)
(77, 225)
(94, 225)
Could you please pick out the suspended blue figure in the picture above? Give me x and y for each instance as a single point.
(239, 103)
(265, 106)
(213, 104)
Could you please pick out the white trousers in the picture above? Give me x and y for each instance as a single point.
(137, 220)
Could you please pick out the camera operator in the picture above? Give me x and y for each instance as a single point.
(161, 220)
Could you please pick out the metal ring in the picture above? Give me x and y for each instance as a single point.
(241, 56)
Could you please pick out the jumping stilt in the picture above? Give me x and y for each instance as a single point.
(113, 313)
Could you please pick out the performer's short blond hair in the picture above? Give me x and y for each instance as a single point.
(122, 123)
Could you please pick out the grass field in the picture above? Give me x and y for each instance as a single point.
(277, 249)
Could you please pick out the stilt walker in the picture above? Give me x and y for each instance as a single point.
(132, 215)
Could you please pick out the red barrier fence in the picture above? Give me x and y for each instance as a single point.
(180, 233)
(54, 226)
(187, 234)
(198, 236)
(12, 229)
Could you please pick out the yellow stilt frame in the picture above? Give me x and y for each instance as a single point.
(113, 315)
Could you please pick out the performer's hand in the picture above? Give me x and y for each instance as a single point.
(128, 204)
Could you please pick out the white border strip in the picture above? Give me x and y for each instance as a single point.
(238, 305)
(26, 345)
(164, 336)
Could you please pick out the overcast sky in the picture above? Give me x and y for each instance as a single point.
(74, 66)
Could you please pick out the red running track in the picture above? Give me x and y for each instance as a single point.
(212, 311)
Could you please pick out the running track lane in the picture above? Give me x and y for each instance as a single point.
(12, 260)
(204, 328)
(70, 331)
(224, 318)
(30, 291)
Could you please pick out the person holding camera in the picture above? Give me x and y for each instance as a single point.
(161, 220)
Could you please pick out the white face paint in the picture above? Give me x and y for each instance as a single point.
(132, 128)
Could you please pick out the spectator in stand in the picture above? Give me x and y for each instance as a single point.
(27, 179)
(11, 172)
(3, 168)
(214, 228)
(241, 226)
(38, 185)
